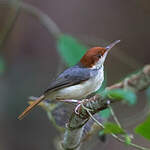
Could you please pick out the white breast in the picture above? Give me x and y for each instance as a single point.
(81, 90)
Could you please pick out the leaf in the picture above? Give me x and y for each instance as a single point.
(105, 114)
(113, 128)
(70, 49)
(120, 94)
(144, 128)
(101, 133)
(128, 139)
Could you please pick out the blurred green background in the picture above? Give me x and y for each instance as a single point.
(29, 60)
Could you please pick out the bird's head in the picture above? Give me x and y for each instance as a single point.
(95, 57)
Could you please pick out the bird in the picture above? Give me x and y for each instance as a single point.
(78, 81)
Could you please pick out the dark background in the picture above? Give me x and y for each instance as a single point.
(32, 61)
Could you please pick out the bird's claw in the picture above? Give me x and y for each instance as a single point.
(76, 109)
(80, 103)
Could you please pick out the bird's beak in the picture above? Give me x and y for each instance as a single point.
(102, 60)
(108, 49)
(112, 45)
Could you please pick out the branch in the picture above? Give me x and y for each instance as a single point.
(10, 22)
(43, 18)
(74, 128)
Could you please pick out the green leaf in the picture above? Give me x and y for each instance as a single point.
(120, 94)
(105, 114)
(128, 139)
(144, 128)
(113, 128)
(70, 49)
(101, 133)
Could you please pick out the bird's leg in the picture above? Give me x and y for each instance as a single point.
(73, 101)
(78, 102)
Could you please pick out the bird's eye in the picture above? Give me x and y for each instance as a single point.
(99, 55)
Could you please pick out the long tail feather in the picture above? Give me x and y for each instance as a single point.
(30, 107)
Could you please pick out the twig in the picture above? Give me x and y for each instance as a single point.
(11, 20)
(88, 110)
(10, 23)
(43, 18)
(114, 116)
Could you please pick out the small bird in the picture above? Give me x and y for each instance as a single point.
(78, 81)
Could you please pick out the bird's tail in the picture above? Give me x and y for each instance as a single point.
(30, 107)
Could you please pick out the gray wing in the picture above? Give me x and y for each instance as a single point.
(71, 76)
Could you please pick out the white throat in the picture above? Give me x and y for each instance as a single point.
(98, 66)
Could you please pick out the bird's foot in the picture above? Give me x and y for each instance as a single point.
(77, 108)
(80, 103)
